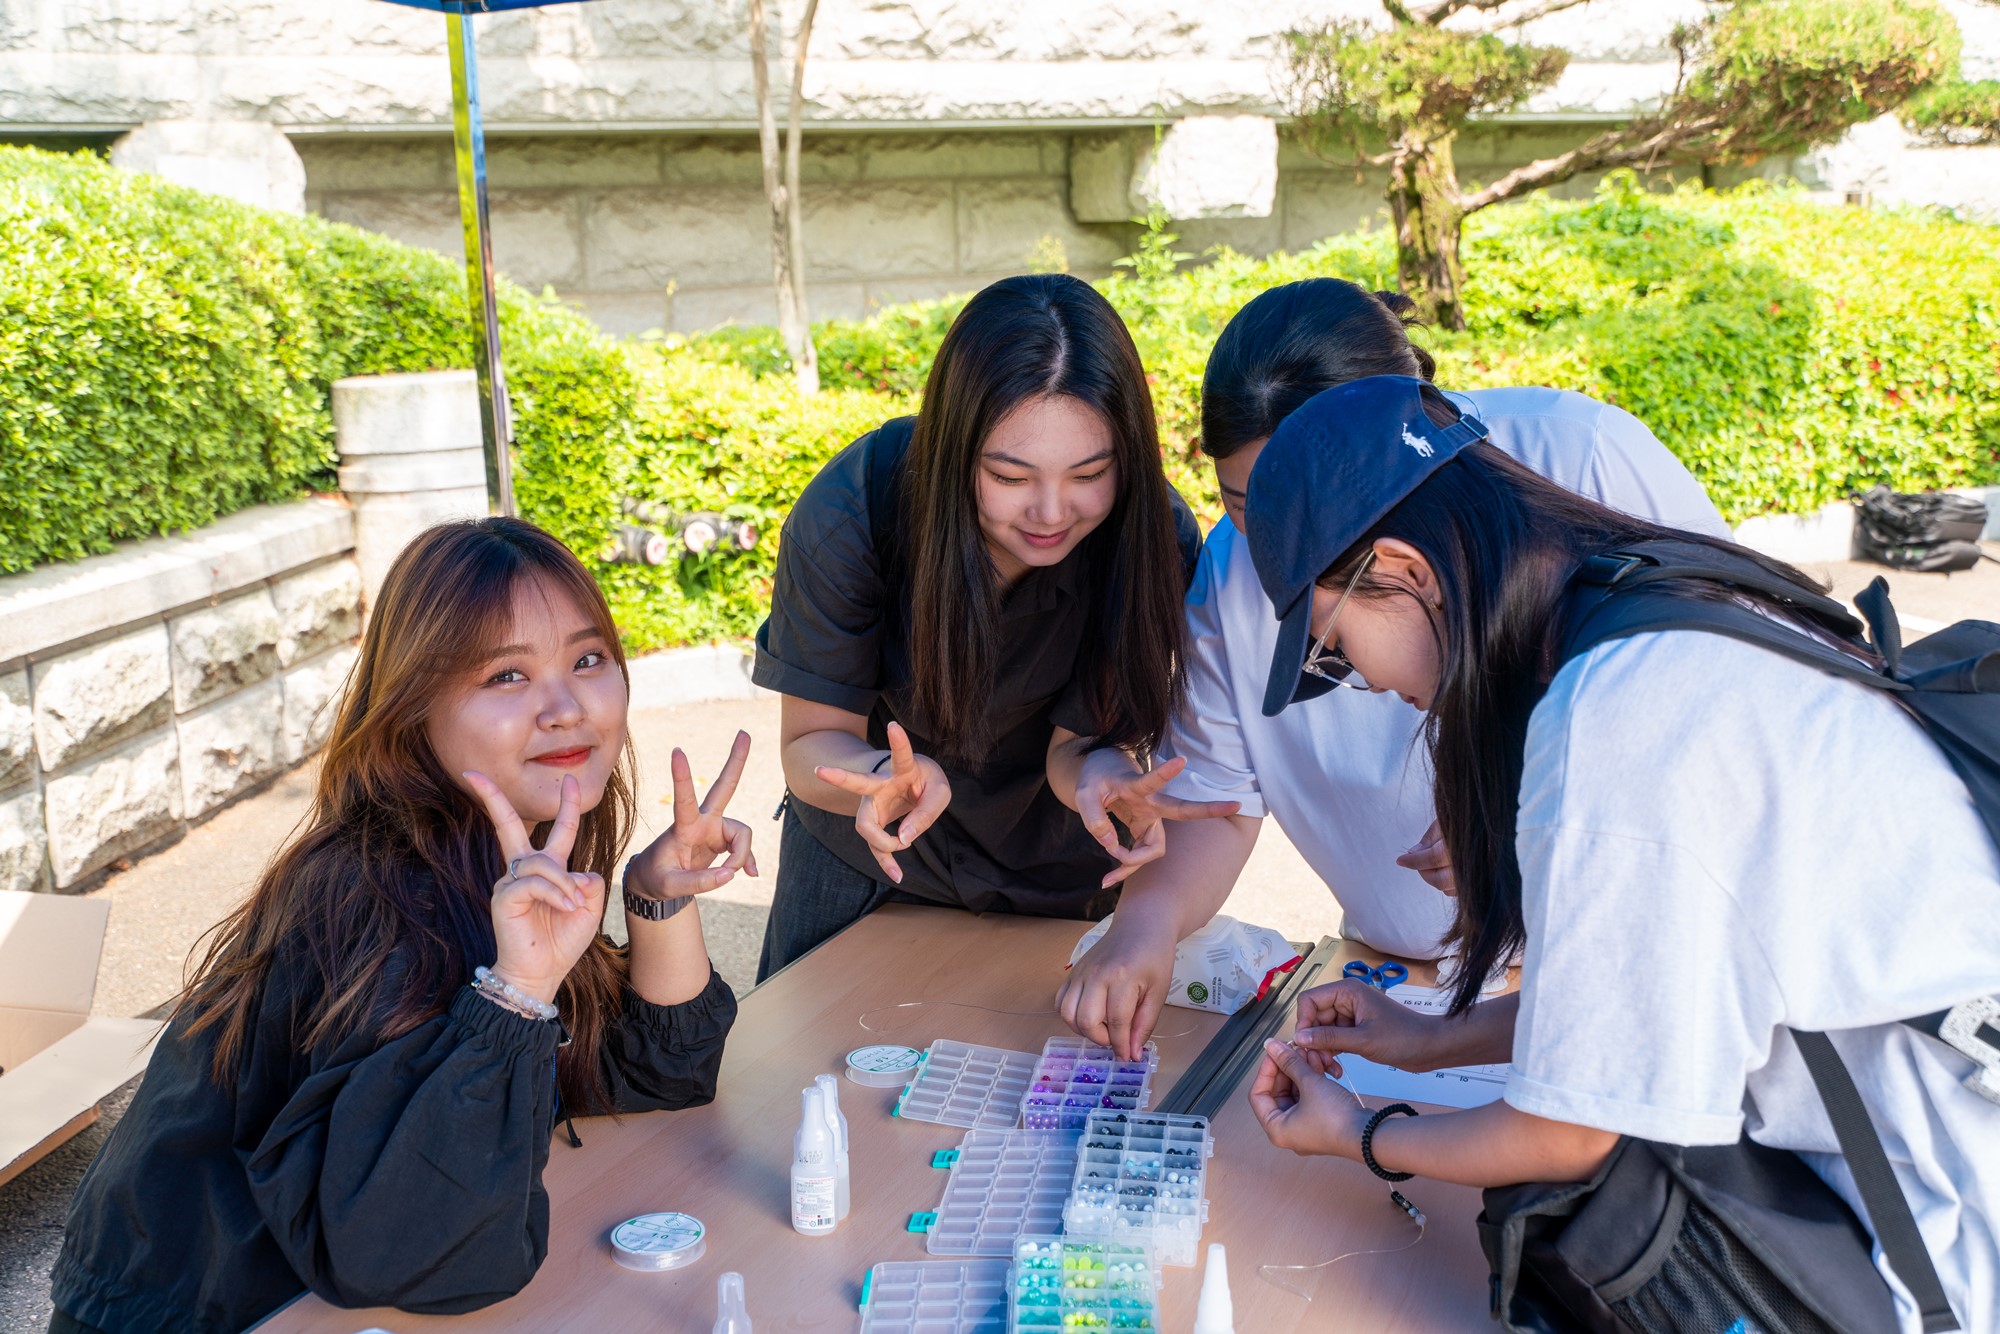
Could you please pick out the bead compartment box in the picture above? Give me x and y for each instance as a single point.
(1141, 1178)
(1063, 1284)
(969, 1086)
(935, 1297)
(1074, 1078)
(1004, 1183)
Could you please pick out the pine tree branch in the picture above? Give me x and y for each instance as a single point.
(1540, 11)
(1443, 10)
(1613, 148)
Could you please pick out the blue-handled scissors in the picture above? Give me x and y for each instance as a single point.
(1388, 975)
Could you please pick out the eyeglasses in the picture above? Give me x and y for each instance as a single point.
(1332, 664)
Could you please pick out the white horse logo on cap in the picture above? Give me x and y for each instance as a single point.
(1418, 443)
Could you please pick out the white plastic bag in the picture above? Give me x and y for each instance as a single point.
(1221, 967)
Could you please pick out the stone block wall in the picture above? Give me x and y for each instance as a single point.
(116, 740)
(142, 691)
(668, 231)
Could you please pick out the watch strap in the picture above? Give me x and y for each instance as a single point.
(655, 910)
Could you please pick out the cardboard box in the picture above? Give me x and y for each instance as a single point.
(57, 1060)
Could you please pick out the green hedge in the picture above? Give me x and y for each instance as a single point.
(709, 435)
(1788, 352)
(164, 354)
(165, 358)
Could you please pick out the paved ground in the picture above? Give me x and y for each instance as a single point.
(162, 906)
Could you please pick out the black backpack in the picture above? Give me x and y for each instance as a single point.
(1668, 1237)
(1933, 530)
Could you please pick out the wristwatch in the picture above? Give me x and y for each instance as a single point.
(653, 910)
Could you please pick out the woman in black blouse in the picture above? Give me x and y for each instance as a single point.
(357, 1093)
(970, 605)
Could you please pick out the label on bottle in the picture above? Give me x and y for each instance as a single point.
(813, 1200)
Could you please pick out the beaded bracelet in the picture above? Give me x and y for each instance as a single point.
(502, 992)
(1368, 1136)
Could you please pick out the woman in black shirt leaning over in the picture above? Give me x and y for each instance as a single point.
(969, 605)
(357, 1092)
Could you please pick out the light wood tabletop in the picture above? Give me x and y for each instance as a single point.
(728, 1165)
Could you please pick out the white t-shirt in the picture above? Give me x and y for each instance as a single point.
(1718, 843)
(1346, 774)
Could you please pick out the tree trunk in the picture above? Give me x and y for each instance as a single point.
(1424, 202)
(792, 327)
(806, 366)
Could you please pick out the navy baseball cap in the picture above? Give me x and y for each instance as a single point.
(1332, 469)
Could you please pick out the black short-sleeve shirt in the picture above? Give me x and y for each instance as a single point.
(835, 636)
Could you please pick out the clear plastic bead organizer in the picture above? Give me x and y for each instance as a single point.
(935, 1297)
(1004, 1183)
(1141, 1178)
(975, 1088)
(1074, 1078)
(1063, 1284)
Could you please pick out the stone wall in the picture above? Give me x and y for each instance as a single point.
(947, 138)
(142, 691)
(660, 64)
(669, 231)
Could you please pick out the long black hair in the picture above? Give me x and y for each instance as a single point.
(1291, 342)
(1021, 339)
(1504, 543)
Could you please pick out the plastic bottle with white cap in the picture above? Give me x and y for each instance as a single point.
(829, 1089)
(731, 1315)
(815, 1173)
(1214, 1313)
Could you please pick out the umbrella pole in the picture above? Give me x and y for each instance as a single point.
(469, 144)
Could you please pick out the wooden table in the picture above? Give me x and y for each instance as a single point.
(728, 1164)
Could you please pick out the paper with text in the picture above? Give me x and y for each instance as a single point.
(1457, 1086)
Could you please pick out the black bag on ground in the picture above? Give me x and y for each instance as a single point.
(1667, 1238)
(1934, 531)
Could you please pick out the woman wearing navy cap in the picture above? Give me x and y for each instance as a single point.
(1664, 825)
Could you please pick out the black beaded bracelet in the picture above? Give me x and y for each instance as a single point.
(1368, 1137)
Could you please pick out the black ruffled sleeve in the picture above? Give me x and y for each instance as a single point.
(409, 1174)
(665, 1057)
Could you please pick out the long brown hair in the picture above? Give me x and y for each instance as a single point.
(1021, 339)
(395, 862)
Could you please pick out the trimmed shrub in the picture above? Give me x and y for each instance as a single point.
(711, 436)
(165, 354)
(1787, 352)
(165, 358)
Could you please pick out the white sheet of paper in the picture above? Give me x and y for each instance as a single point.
(1458, 1086)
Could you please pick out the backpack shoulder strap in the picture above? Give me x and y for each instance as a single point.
(1889, 1215)
(1644, 588)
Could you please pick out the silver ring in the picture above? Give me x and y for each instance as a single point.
(514, 868)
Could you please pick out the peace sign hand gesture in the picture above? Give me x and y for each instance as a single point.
(544, 915)
(682, 860)
(914, 791)
(1109, 783)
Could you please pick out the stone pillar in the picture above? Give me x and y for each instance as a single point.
(410, 457)
(1211, 167)
(245, 160)
(1201, 167)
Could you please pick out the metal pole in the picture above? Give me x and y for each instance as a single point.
(469, 141)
